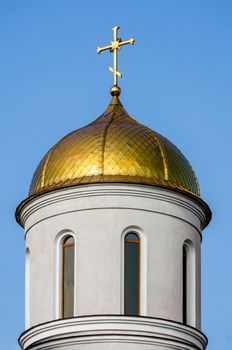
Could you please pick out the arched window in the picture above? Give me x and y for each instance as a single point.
(67, 282)
(185, 306)
(189, 283)
(27, 289)
(132, 274)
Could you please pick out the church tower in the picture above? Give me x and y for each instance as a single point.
(113, 227)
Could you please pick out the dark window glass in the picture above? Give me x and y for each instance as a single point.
(68, 277)
(185, 285)
(132, 274)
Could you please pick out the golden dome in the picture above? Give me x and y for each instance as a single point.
(114, 148)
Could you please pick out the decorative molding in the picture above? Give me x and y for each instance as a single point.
(115, 190)
(113, 329)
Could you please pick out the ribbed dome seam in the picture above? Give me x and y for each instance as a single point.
(165, 165)
(46, 165)
(102, 156)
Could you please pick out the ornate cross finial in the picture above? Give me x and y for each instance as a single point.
(114, 47)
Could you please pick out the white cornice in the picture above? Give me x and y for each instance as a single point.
(114, 190)
(113, 329)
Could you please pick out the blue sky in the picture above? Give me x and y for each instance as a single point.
(176, 80)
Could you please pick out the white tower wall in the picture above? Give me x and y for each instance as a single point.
(98, 217)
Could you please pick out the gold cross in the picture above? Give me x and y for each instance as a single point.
(114, 47)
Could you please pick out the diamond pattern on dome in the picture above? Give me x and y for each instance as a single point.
(114, 148)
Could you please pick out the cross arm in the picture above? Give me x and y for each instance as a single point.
(130, 41)
(100, 49)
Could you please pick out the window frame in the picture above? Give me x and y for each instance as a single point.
(62, 296)
(137, 241)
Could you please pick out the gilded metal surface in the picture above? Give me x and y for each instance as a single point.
(114, 148)
(114, 47)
